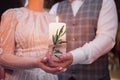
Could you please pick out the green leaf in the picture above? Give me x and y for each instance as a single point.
(57, 52)
(56, 38)
(61, 30)
(53, 38)
(58, 41)
(57, 32)
(63, 33)
(62, 42)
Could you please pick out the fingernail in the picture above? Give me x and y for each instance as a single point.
(60, 68)
(45, 58)
(64, 69)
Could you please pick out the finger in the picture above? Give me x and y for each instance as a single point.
(53, 70)
(44, 64)
(62, 70)
(63, 57)
(65, 69)
(58, 57)
(55, 58)
(48, 62)
(44, 60)
(48, 54)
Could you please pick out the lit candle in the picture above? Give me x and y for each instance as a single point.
(53, 28)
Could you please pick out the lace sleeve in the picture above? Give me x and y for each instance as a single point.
(7, 44)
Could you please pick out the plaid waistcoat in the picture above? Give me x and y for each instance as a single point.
(81, 29)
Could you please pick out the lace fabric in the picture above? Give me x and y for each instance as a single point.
(33, 74)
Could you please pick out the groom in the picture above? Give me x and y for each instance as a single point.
(91, 31)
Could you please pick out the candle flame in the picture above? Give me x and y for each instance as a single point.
(57, 19)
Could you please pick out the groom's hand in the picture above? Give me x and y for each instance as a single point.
(62, 60)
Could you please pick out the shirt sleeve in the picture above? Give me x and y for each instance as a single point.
(53, 10)
(8, 58)
(105, 36)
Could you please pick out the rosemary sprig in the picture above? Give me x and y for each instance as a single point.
(58, 41)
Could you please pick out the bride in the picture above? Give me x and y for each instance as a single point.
(24, 42)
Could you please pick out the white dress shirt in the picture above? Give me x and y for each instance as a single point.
(26, 3)
(105, 34)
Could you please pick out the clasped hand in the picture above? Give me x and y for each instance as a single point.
(56, 65)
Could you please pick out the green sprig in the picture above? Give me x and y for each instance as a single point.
(57, 40)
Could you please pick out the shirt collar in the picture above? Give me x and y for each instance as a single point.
(74, 0)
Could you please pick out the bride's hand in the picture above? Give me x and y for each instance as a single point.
(43, 63)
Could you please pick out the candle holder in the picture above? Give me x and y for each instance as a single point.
(58, 41)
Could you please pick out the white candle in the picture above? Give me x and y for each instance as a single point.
(53, 27)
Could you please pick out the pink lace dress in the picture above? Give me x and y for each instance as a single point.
(24, 33)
